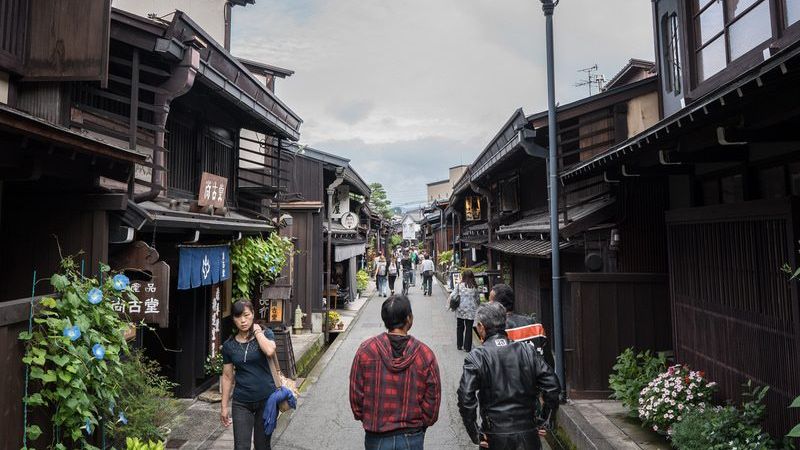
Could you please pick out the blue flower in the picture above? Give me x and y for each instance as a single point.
(98, 351)
(120, 282)
(72, 332)
(88, 426)
(122, 418)
(95, 296)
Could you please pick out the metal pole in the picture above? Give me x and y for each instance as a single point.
(328, 261)
(547, 7)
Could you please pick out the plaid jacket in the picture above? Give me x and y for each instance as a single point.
(388, 394)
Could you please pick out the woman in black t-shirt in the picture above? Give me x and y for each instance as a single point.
(244, 358)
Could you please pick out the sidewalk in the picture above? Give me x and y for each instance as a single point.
(199, 428)
(604, 424)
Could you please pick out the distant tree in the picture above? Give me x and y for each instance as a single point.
(379, 202)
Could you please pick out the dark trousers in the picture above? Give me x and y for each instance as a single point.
(400, 441)
(525, 440)
(427, 283)
(392, 279)
(464, 334)
(248, 426)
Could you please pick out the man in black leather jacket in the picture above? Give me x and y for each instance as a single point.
(506, 379)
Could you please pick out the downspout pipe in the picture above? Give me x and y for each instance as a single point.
(179, 83)
(548, 6)
(331, 190)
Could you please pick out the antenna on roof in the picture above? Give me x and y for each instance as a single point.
(592, 79)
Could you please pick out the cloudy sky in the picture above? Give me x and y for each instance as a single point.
(407, 89)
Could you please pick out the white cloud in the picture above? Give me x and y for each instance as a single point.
(381, 72)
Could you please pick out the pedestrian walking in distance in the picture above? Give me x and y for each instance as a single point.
(505, 379)
(395, 390)
(469, 299)
(392, 272)
(380, 276)
(427, 275)
(244, 363)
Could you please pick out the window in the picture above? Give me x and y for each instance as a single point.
(732, 189)
(671, 51)
(727, 29)
(772, 182)
(509, 202)
(792, 8)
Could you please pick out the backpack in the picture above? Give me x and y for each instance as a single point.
(393, 269)
(382, 269)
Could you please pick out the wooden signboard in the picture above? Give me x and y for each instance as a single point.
(214, 334)
(149, 282)
(213, 189)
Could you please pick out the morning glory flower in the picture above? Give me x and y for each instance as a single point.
(120, 282)
(122, 418)
(95, 296)
(88, 426)
(98, 351)
(73, 333)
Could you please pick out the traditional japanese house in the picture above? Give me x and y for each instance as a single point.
(504, 201)
(328, 205)
(723, 166)
(167, 96)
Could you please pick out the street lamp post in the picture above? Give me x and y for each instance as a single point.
(558, 339)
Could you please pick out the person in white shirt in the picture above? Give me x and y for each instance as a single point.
(427, 269)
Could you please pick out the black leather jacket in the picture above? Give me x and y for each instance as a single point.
(506, 378)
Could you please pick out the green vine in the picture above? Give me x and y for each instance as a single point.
(73, 351)
(257, 261)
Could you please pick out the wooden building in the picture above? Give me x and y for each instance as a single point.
(108, 150)
(713, 189)
(315, 174)
(503, 201)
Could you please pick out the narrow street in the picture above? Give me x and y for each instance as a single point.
(323, 419)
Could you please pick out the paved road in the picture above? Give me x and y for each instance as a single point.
(323, 419)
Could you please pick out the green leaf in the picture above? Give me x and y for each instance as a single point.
(25, 336)
(795, 433)
(49, 302)
(33, 432)
(35, 399)
(795, 403)
(104, 268)
(60, 360)
(49, 377)
(38, 360)
(64, 376)
(60, 282)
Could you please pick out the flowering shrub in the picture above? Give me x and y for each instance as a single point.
(362, 280)
(73, 352)
(670, 395)
(726, 427)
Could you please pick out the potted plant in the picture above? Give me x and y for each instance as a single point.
(333, 319)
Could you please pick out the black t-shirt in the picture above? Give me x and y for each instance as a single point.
(253, 378)
(406, 263)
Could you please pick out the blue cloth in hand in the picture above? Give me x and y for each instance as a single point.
(271, 409)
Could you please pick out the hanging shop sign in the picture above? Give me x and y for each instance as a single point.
(149, 282)
(212, 190)
(349, 220)
(472, 208)
(214, 335)
(203, 266)
(341, 202)
(272, 304)
(409, 229)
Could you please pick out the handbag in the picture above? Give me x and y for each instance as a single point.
(281, 381)
(455, 302)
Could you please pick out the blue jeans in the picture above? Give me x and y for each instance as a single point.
(402, 441)
(382, 284)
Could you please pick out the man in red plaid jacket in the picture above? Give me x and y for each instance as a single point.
(395, 389)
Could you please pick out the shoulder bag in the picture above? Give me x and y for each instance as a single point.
(281, 381)
(455, 301)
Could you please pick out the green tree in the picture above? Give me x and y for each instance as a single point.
(379, 202)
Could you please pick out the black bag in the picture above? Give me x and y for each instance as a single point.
(455, 302)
